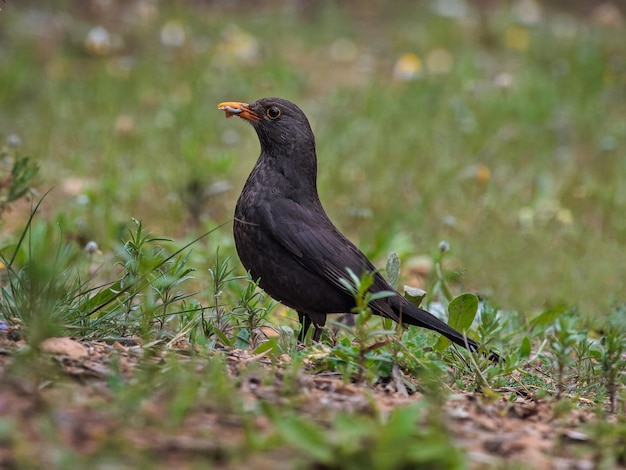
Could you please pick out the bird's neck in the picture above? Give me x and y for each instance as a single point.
(282, 176)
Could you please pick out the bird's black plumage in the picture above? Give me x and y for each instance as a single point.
(284, 237)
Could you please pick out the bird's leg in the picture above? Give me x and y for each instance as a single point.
(318, 320)
(318, 332)
(305, 321)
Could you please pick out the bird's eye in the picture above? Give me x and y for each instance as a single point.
(273, 112)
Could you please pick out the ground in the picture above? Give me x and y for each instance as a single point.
(495, 429)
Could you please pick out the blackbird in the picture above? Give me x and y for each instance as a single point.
(285, 239)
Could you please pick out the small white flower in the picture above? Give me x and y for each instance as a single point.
(91, 247)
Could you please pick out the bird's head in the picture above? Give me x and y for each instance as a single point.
(280, 124)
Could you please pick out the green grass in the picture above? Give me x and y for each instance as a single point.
(515, 156)
(544, 228)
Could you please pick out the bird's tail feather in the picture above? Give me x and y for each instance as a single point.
(412, 315)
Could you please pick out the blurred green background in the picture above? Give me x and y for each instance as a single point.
(497, 126)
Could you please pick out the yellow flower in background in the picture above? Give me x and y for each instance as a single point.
(407, 67)
(478, 172)
(517, 38)
(483, 174)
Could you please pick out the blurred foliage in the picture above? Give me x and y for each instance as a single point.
(498, 128)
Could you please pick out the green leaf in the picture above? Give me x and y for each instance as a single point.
(22, 175)
(415, 295)
(306, 436)
(546, 318)
(268, 345)
(103, 297)
(392, 269)
(461, 313)
(243, 339)
(383, 294)
(226, 341)
(524, 348)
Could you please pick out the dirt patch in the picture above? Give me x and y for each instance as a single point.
(69, 407)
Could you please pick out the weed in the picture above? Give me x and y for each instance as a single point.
(17, 182)
(357, 441)
(563, 339)
(366, 341)
(613, 357)
(251, 311)
(41, 281)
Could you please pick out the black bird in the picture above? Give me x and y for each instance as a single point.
(284, 237)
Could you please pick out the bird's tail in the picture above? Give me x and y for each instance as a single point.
(412, 315)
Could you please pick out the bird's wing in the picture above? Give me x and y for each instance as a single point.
(318, 245)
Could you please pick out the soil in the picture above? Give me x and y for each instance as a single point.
(495, 429)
